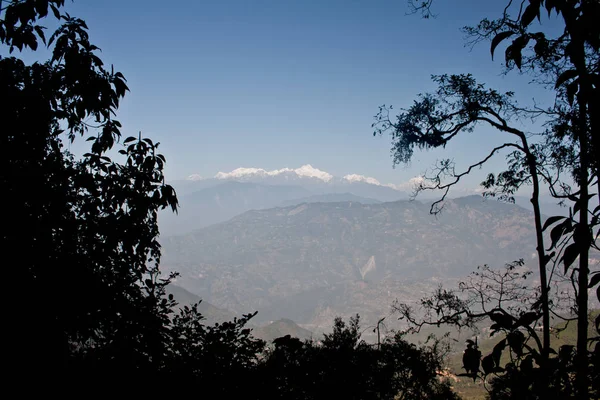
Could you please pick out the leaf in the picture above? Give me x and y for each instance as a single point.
(515, 341)
(497, 352)
(515, 55)
(527, 319)
(517, 48)
(557, 232)
(570, 254)
(55, 11)
(499, 38)
(487, 363)
(529, 14)
(40, 32)
(549, 6)
(565, 76)
(595, 279)
(550, 221)
(503, 320)
(527, 364)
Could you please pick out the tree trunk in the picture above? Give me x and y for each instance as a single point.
(583, 239)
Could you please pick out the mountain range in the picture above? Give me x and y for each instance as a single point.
(204, 202)
(314, 261)
(306, 173)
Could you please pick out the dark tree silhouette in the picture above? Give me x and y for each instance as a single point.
(568, 62)
(82, 232)
(343, 366)
(515, 368)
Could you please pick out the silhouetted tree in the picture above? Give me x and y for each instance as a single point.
(82, 232)
(515, 367)
(569, 63)
(343, 366)
(222, 359)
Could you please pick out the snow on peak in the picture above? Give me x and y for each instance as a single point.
(307, 171)
(240, 173)
(194, 177)
(362, 178)
(311, 172)
(411, 184)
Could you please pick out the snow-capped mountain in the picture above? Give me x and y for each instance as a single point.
(304, 175)
(252, 174)
(208, 201)
(309, 177)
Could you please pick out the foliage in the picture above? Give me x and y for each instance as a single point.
(84, 237)
(343, 366)
(210, 356)
(567, 63)
(84, 231)
(513, 367)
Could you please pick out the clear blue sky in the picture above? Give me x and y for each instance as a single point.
(273, 84)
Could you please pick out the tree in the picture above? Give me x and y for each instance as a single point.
(83, 231)
(222, 359)
(569, 64)
(515, 368)
(344, 366)
(459, 105)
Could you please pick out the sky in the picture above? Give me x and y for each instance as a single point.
(273, 84)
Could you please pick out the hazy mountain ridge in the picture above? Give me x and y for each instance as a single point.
(307, 262)
(213, 315)
(221, 200)
(330, 198)
(281, 328)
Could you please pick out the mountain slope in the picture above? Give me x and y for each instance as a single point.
(281, 328)
(330, 198)
(219, 203)
(210, 312)
(314, 261)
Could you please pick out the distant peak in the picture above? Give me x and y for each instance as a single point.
(308, 171)
(362, 178)
(194, 177)
(305, 171)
